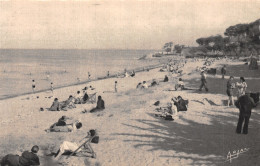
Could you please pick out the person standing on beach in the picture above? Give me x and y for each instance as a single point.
(33, 86)
(89, 75)
(223, 71)
(52, 87)
(108, 74)
(115, 86)
(241, 87)
(203, 82)
(245, 104)
(230, 89)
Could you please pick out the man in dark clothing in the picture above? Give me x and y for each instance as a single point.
(27, 158)
(100, 105)
(245, 105)
(180, 103)
(166, 79)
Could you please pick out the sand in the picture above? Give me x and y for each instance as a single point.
(130, 134)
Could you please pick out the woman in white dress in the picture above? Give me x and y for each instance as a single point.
(241, 87)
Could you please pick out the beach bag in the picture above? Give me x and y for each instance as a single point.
(95, 139)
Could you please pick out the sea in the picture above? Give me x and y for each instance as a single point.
(63, 67)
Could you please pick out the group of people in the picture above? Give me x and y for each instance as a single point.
(79, 98)
(26, 159)
(231, 85)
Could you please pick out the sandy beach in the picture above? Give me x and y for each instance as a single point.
(130, 134)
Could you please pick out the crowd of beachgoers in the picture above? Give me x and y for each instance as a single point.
(95, 111)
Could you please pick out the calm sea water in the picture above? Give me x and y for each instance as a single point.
(62, 67)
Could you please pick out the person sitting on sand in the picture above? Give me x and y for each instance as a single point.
(139, 85)
(132, 74)
(100, 105)
(85, 97)
(26, 159)
(154, 83)
(180, 84)
(144, 86)
(241, 87)
(180, 103)
(78, 98)
(55, 105)
(67, 146)
(126, 74)
(166, 79)
(68, 104)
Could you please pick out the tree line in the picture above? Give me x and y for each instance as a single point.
(240, 39)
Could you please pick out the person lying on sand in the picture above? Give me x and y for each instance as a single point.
(26, 159)
(100, 105)
(55, 105)
(64, 126)
(68, 104)
(78, 146)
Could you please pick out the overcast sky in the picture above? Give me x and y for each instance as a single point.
(118, 24)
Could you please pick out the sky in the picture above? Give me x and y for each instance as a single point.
(117, 24)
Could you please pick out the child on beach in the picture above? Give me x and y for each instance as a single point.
(52, 87)
(33, 86)
(115, 86)
(89, 76)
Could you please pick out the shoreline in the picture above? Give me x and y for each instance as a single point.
(137, 70)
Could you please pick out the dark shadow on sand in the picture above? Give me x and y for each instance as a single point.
(210, 142)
